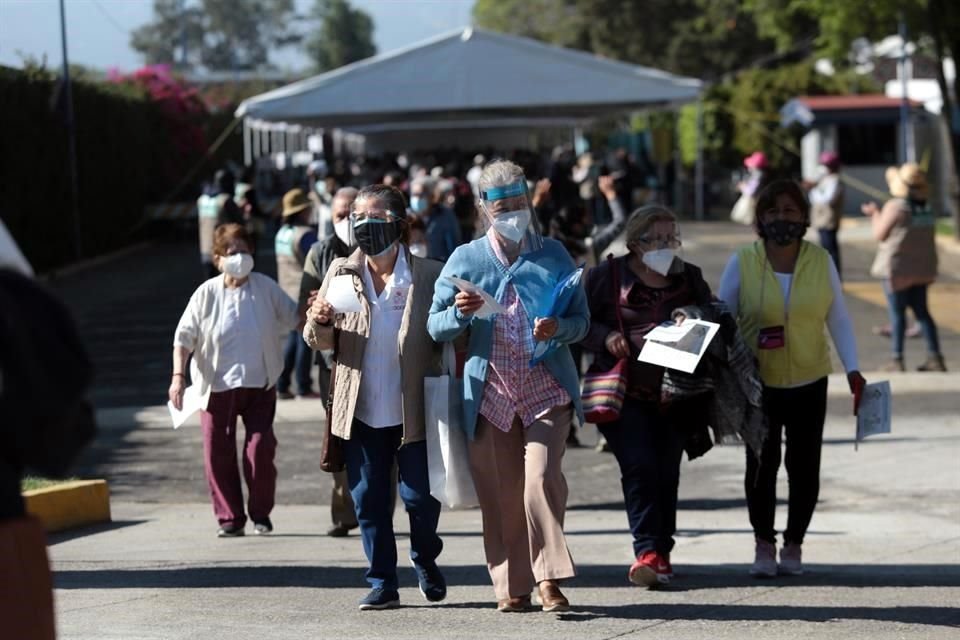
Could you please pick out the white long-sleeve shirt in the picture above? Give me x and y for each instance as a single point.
(838, 319)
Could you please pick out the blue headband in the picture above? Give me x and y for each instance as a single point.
(518, 188)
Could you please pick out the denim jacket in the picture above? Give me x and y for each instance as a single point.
(534, 276)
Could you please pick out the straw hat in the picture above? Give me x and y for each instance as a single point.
(907, 180)
(294, 201)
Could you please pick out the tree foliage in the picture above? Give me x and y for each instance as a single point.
(703, 38)
(219, 35)
(343, 35)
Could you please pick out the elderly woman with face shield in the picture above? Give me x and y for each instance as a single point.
(629, 296)
(517, 414)
(382, 352)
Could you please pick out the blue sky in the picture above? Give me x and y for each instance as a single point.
(98, 31)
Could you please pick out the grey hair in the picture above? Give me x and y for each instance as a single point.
(499, 173)
(347, 193)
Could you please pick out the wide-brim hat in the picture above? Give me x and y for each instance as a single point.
(907, 180)
(294, 201)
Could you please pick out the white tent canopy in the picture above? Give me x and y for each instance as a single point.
(465, 77)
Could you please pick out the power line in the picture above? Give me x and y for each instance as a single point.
(106, 14)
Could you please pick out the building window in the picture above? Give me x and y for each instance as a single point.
(869, 143)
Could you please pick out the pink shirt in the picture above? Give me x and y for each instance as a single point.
(513, 388)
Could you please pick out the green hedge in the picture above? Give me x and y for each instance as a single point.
(125, 158)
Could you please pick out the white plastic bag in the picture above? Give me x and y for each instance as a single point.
(744, 210)
(447, 459)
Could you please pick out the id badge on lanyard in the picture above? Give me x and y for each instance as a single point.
(772, 337)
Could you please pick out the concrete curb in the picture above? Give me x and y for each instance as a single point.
(69, 505)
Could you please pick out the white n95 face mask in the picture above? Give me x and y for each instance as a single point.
(239, 265)
(512, 224)
(660, 260)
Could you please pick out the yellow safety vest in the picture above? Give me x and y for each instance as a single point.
(805, 356)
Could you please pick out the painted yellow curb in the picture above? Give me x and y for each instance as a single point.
(71, 504)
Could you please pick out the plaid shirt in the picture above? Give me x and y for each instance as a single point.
(514, 388)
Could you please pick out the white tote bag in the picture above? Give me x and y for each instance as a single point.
(447, 461)
(744, 210)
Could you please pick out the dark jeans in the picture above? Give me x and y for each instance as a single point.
(801, 411)
(370, 454)
(257, 407)
(297, 358)
(828, 240)
(648, 447)
(914, 297)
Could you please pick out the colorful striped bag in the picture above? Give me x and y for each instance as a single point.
(603, 389)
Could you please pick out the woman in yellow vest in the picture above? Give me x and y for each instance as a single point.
(783, 292)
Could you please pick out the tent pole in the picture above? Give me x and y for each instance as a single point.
(698, 171)
(247, 151)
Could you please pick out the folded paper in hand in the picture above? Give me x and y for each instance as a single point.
(490, 305)
(342, 296)
(192, 402)
(873, 417)
(678, 346)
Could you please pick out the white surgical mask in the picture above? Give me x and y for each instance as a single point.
(343, 231)
(239, 265)
(512, 224)
(419, 249)
(660, 260)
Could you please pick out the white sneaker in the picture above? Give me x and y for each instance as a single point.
(764, 560)
(790, 560)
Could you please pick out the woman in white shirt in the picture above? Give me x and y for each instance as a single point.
(233, 327)
(783, 291)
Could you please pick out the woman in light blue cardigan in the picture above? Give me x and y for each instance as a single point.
(516, 415)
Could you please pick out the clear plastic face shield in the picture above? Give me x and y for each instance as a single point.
(374, 229)
(660, 248)
(509, 210)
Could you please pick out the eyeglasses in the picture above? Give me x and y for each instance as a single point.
(660, 242)
(381, 216)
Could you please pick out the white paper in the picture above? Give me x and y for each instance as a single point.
(342, 296)
(490, 305)
(192, 402)
(875, 410)
(678, 347)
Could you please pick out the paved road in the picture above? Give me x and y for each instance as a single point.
(884, 547)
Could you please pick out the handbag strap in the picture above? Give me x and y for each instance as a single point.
(615, 273)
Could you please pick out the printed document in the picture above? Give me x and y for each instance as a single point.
(680, 346)
(192, 402)
(875, 410)
(490, 305)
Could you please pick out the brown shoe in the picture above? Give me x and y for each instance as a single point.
(552, 598)
(514, 604)
(934, 363)
(895, 364)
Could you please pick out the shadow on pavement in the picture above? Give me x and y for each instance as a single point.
(689, 578)
(941, 616)
(66, 536)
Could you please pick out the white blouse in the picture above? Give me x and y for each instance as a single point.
(241, 361)
(380, 398)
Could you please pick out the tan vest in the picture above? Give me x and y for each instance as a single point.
(910, 251)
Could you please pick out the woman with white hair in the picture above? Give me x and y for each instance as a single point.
(907, 259)
(517, 416)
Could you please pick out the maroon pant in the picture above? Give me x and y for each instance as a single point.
(257, 407)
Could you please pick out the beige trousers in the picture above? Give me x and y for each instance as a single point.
(523, 499)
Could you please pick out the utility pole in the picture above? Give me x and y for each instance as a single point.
(71, 138)
(905, 71)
